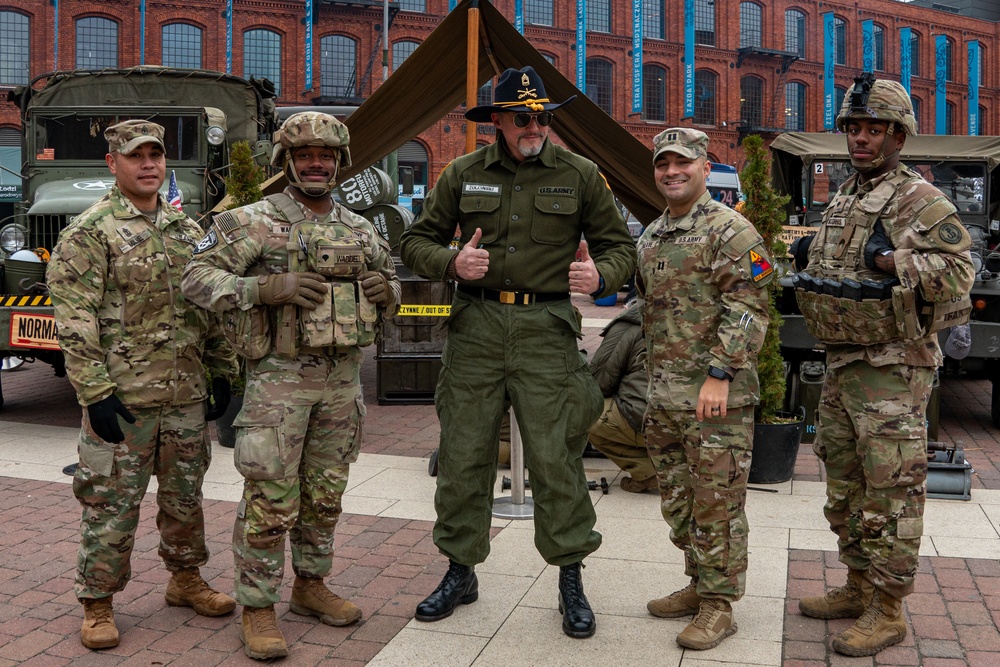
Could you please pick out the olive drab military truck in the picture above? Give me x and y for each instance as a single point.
(63, 118)
(810, 167)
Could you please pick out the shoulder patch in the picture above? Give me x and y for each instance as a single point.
(760, 268)
(949, 232)
(227, 222)
(210, 241)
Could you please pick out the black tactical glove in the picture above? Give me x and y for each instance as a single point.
(375, 286)
(799, 250)
(222, 392)
(104, 419)
(877, 245)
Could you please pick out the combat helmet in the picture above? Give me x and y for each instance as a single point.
(310, 128)
(878, 99)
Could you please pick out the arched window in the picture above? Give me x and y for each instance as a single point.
(654, 93)
(949, 118)
(840, 41)
(401, 51)
(705, 83)
(795, 107)
(182, 45)
(96, 43)
(413, 5)
(599, 83)
(15, 36)
(878, 36)
(751, 101)
(704, 22)
(262, 56)
(795, 32)
(751, 24)
(599, 15)
(652, 19)
(914, 54)
(338, 62)
(538, 12)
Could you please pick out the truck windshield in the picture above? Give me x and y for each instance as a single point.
(826, 177)
(81, 136)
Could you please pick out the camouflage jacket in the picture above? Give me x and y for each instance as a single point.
(222, 274)
(124, 325)
(931, 253)
(532, 214)
(619, 365)
(703, 277)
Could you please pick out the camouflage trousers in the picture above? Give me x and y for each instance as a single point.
(612, 436)
(498, 355)
(872, 438)
(703, 469)
(303, 418)
(110, 483)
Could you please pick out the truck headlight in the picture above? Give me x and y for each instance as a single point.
(13, 237)
(215, 135)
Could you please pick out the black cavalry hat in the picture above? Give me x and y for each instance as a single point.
(516, 90)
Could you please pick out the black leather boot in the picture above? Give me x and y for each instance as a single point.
(459, 586)
(578, 619)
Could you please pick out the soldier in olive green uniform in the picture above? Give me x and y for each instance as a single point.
(521, 204)
(134, 349)
(897, 240)
(702, 271)
(303, 284)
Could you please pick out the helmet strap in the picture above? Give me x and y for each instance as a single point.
(310, 189)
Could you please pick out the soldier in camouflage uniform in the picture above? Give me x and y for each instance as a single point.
(134, 349)
(303, 284)
(702, 271)
(886, 228)
(522, 204)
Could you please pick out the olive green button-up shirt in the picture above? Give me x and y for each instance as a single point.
(532, 215)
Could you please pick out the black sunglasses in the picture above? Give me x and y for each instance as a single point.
(543, 119)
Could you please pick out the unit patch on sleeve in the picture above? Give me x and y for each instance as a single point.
(210, 241)
(760, 268)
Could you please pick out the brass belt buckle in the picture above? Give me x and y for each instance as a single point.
(507, 297)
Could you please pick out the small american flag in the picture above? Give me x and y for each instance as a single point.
(173, 194)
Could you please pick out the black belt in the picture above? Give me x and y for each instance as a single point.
(519, 298)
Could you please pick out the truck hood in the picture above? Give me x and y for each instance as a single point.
(75, 195)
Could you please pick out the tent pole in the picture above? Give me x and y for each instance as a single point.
(472, 73)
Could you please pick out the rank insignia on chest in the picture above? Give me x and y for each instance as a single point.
(760, 268)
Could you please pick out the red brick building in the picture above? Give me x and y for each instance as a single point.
(759, 64)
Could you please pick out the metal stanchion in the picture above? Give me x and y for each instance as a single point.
(517, 506)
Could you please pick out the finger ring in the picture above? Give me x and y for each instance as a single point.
(716, 409)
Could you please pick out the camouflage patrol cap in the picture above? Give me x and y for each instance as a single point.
(311, 128)
(887, 100)
(129, 134)
(686, 141)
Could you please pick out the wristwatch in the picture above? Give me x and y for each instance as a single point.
(719, 374)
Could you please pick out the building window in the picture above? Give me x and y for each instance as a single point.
(704, 22)
(838, 99)
(916, 110)
(949, 118)
(181, 45)
(751, 24)
(485, 96)
(654, 93)
(840, 41)
(795, 32)
(652, 19)
(338, 62)
(262, 56)
(914, 54)
(795, 107)
(704, 97)
(15, 36)
(401, 51)
(949, 73)
(538, 12)
(549, 59)
(413, 6)
(878, 36)
(982, 120)
(599, 83)
(599, 15)
(751, 101)
(96, 43)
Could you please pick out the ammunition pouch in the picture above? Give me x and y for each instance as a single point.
(837, 320)
(346, 318)
(248, 331)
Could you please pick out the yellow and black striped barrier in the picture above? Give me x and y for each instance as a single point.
(24, 301)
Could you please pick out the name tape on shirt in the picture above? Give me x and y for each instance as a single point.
(480, 189)
(760, 268)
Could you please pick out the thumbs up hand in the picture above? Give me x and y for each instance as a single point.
(583, 275)
(472, 262)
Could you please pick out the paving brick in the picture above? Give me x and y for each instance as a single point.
(979, 638)
(802, 650)
(29, 645)
(969, 613)
(939, 648)
(925, 604)
(933, 627)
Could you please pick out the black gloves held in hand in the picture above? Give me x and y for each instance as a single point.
(222, 392)
(104, 419)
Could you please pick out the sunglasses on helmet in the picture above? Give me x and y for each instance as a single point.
(543, 119)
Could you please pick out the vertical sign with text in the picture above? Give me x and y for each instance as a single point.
(940, 84)
(905, 57)
(637, 56)
(868, 46)
(688, 59)
(519, 15)
(309, 46)
(829, 59)
(581, 45)
(974, 71)
(229, 36)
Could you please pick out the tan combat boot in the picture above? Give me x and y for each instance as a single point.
(633, 485)
(881, 626)
(684, 602)
(311, 598)
(848, 601)
(262, 640)
(713, 623)
(188, 589)
(98, 629)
